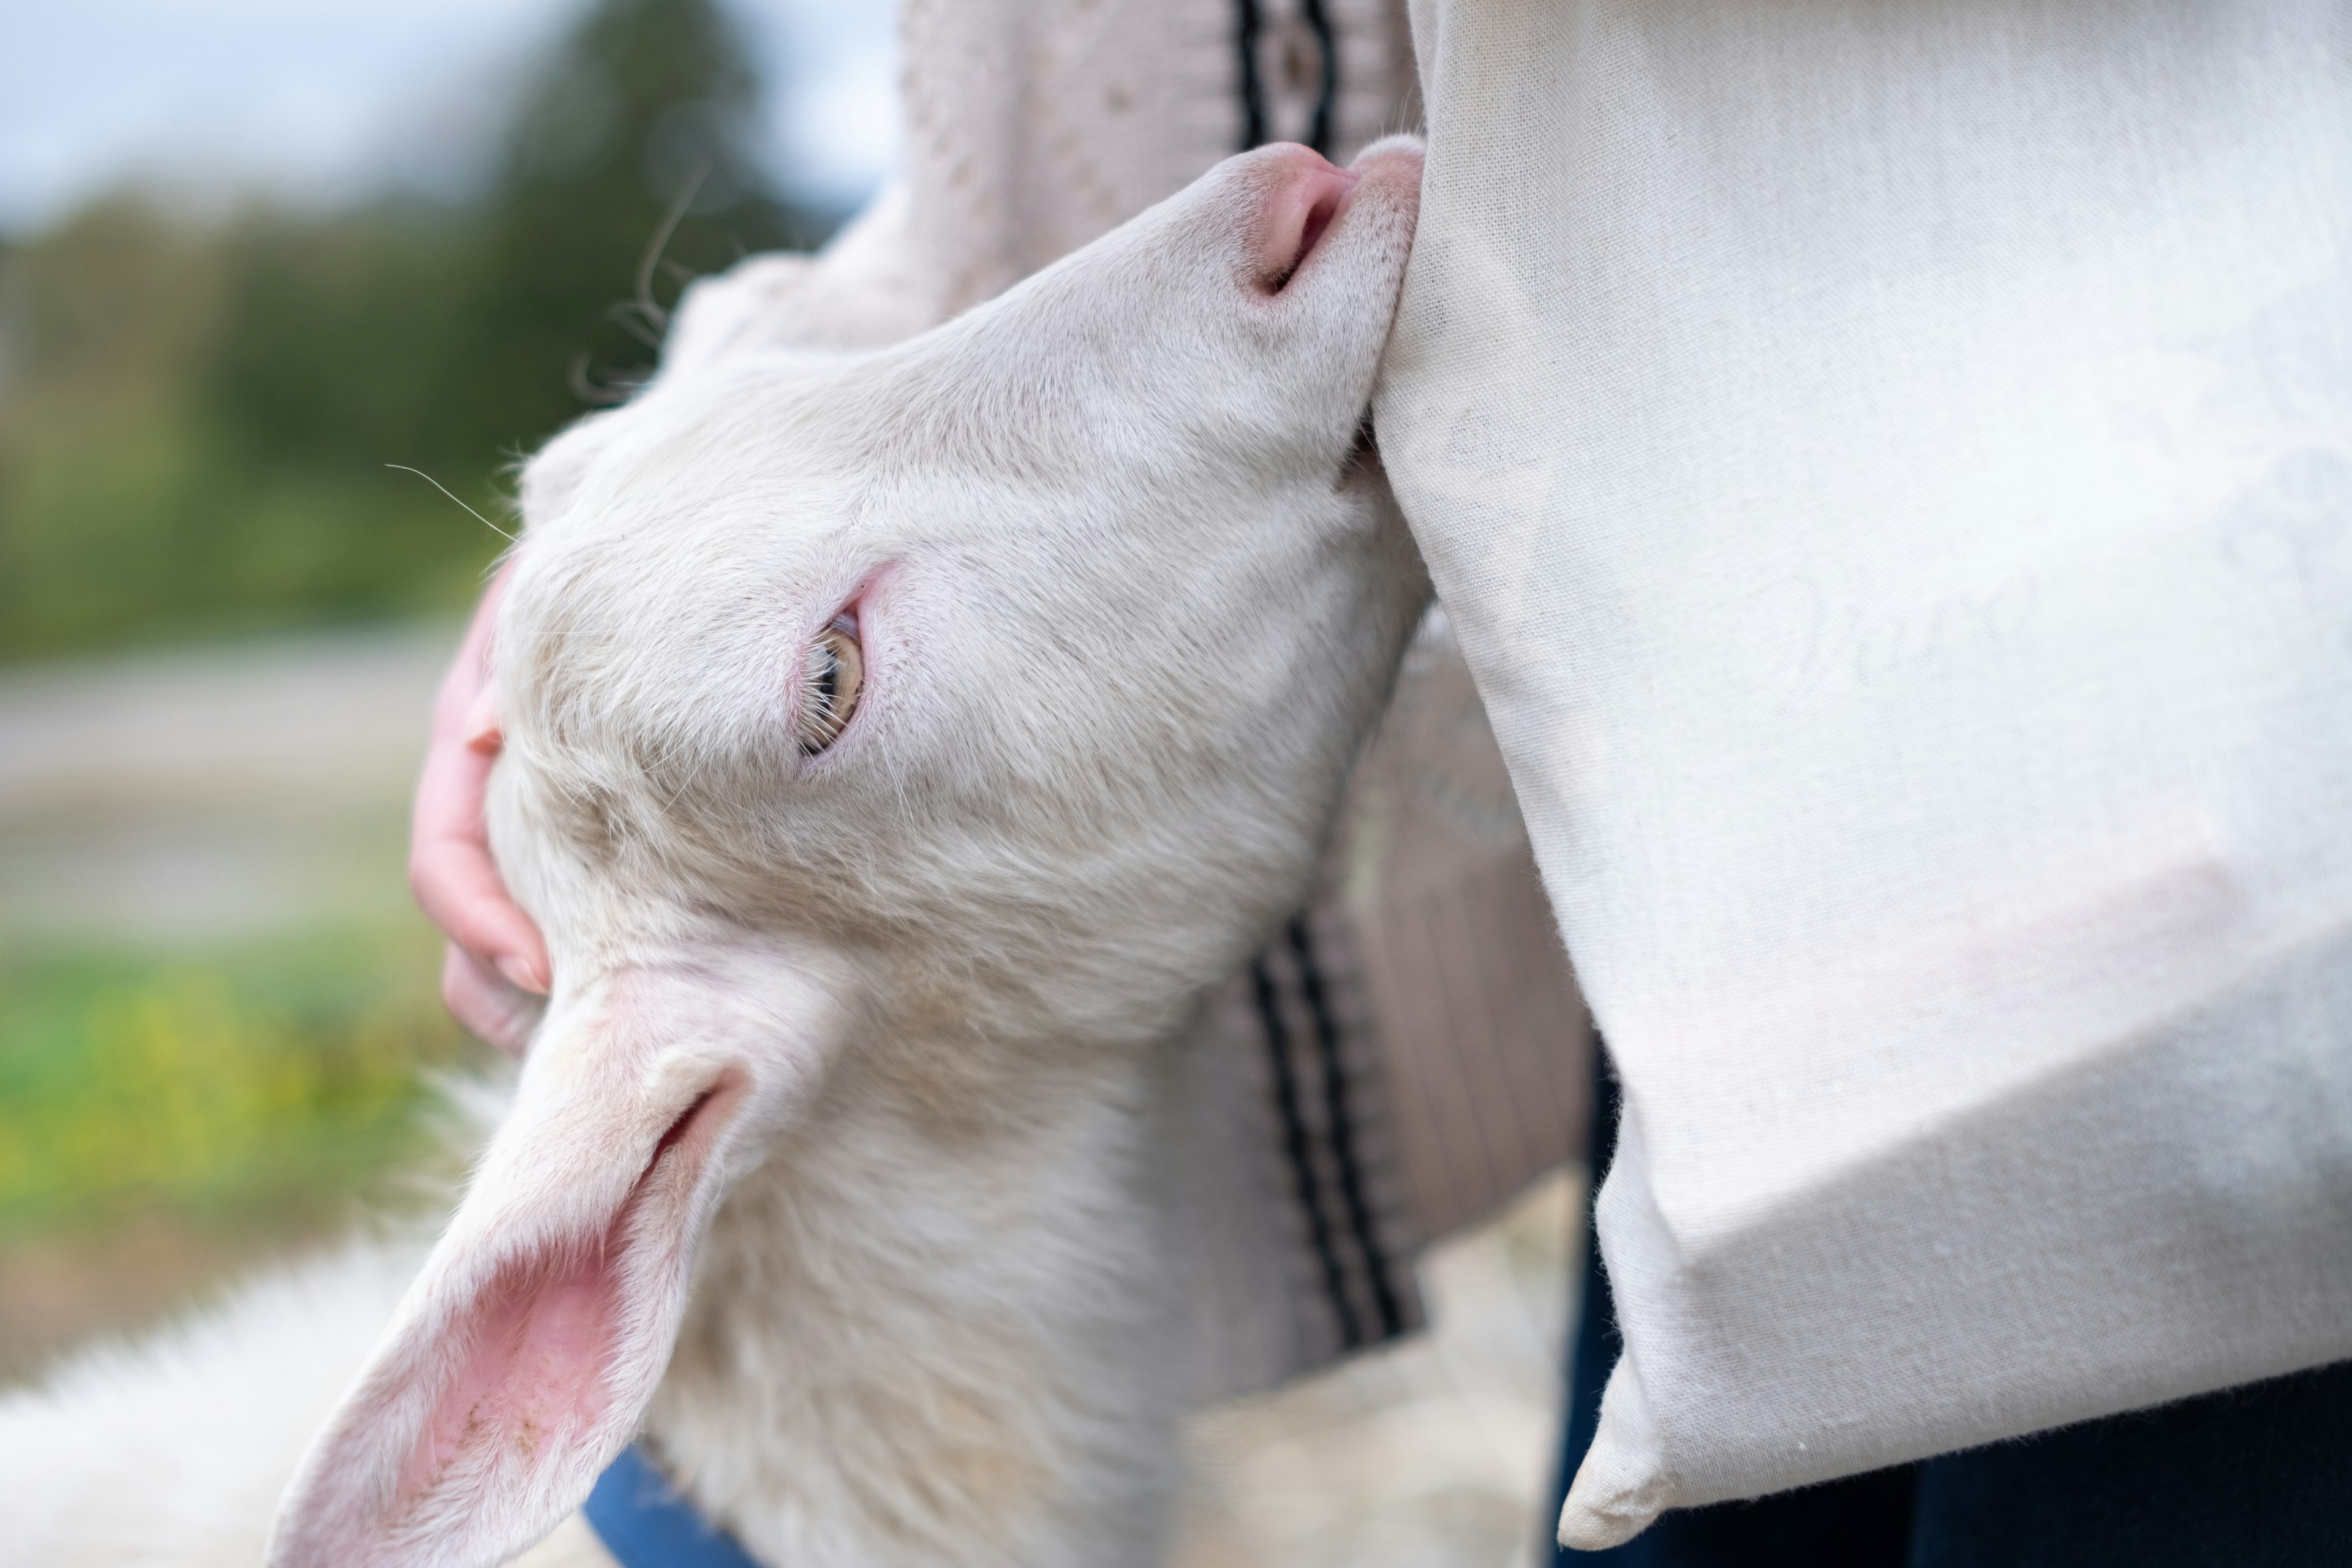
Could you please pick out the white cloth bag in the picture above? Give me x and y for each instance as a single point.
(1890, 467)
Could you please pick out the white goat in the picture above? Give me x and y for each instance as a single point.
(900, 745)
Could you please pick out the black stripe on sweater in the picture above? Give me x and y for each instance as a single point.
(1343, 1134)
(1302, 1159)
(1326, 92)
(1249, 27)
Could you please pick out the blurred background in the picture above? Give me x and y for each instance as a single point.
(252, 254)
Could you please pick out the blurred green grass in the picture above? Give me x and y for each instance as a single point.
(266, 1083)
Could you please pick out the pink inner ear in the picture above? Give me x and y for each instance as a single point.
(541, 1339)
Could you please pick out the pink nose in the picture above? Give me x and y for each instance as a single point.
(1300, 202)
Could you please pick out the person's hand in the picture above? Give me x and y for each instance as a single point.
(496, 969)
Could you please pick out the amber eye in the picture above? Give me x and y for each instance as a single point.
(835, 675)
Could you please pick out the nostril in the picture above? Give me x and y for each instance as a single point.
(1298, 213)
(1318, 219)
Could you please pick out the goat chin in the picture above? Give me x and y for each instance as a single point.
(834, 1166)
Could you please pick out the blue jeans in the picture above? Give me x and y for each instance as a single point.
(2258, 1477)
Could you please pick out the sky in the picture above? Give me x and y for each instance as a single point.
(326, 100)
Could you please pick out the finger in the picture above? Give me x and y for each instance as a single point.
(451, 872)
(487, 1004)
(469, 672)
(450, 865)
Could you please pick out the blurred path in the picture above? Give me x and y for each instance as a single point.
(210, 792)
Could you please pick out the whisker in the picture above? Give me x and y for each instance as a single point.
(446, 490)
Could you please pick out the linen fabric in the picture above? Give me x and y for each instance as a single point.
(1890, 470)
(2255, 1477)
(1856, 1522)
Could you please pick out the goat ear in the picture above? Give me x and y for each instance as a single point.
(523, 1357)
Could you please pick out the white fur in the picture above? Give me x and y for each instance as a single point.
(1129, 601)
(175, 1451)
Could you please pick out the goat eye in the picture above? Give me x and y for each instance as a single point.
(836, 674)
